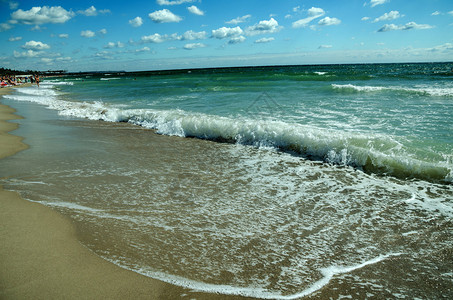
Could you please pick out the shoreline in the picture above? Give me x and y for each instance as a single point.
(41, 257)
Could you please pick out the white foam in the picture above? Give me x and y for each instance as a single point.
(44, 91)
(434, 205)
(327, 273)
(431, 91)
(56, 82)
(68, 205)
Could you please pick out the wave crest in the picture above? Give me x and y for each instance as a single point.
(373, 153)
(425, 90)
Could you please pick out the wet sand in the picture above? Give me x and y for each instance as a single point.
(41, 258)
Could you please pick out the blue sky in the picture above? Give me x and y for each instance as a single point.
(170, 34)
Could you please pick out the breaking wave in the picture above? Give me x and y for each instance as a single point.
(422, 90)
(373, 153)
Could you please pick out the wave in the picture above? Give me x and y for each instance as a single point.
(256, 292)
(373, 153)
(51, 83)
(424, 90)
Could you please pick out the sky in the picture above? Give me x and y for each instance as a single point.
(141, 35)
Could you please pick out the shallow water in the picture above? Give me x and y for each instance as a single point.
(233, 218)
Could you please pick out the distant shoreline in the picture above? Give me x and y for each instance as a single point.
(210, 69)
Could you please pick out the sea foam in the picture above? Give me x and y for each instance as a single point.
(424, 90)
(327, 273)
(371, 152)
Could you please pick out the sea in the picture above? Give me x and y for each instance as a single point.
(276, 182)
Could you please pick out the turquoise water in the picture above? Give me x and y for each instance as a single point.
(393, 119)
(271, 182)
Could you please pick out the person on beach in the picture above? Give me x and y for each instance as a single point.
(11, 80)
(37, 80)
(3, 82)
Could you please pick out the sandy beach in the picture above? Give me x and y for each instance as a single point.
(41, 258)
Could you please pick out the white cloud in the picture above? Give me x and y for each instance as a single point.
(365, 19)
(436, 13)
(296, 9)
(87, 33)
(327, 21)
(413, 25)
(111, 45)
(237, 40)
(144, 49)
(47, 60)
(89, 12)
(393, 15)
(102, 31)
(136, 22)
(264, 40)
(37, 46)
(194, 46)
(450, 13)
(263, 27)
(316, 11)
(104, 55)
(5, 27)
(42, 15)
(226, 32)
(13, 5)
(157, 38)
(195, 10)
(92, 11)
(28, 53)
(239, 20)
(192, 35)
(313, 13)
(443, 48)
(173, 2)
(64, 58)
(154, 38)
(63, 35)
(37, 28)
(14, 39)
(325, 47)
(374, 3)
(407, 26)
(164, 16)
(390, 27)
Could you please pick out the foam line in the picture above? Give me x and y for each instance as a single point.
(332, 271)
(328, 273)
(431, 91)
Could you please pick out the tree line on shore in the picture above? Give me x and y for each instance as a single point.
(11, 72)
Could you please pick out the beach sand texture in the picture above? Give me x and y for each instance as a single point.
(41, 258)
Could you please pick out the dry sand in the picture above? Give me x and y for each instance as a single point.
(41, 258)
